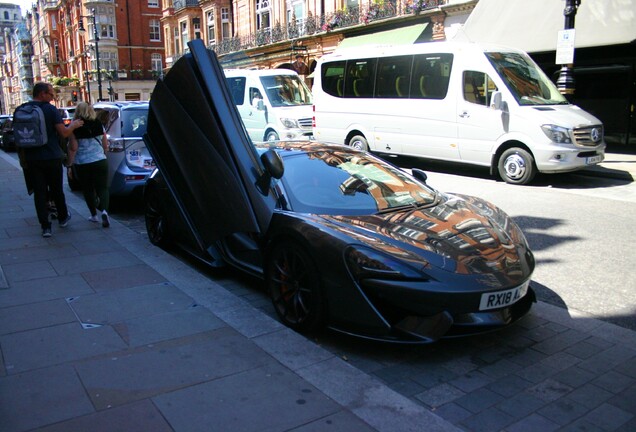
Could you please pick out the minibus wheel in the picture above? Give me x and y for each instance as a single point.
(359, 142)
(271, 135)
(516, 166)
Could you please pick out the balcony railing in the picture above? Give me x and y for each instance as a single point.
(323, 24)
(181, 4)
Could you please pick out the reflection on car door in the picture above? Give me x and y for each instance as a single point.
(200, 145)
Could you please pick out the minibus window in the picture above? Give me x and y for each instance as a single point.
(359, 78)
(478, 87)
(237, 89)
(332, 78)
(430, 77)
(393, 78)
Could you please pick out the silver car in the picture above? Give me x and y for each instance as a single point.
(129, 162)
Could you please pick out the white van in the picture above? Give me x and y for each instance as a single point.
(462, 102)
(275, 104)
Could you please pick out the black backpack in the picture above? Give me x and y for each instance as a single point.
(29, 126)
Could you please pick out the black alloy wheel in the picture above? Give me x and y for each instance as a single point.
(294, 287)
(155, 217)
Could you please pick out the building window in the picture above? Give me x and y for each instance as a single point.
(209, 20)
(153, 3)
(53, 22)
(155, 30)
(107, 30)
(56, 48)
(177, 48)
(156, 62)
(185, 38)
(107, 61)
(225, 23)
(263, 14)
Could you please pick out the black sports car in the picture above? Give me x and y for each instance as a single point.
(342, 238)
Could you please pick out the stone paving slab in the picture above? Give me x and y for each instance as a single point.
(43, 289)
(131, 375)
(140, 416)
(268, 398)
(42, 397)
(48, 346)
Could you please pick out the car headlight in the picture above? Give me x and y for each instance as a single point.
(289, 123)
(366, 263)
(557, 134)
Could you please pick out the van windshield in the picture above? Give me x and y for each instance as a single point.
(527, 83)
(286, 90)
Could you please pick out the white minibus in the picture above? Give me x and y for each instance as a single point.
(275, 104)
(462, 102)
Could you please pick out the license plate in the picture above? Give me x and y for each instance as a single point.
(149, 163)
(501, 299)
(594, 159)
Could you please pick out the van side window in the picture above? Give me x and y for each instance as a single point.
(237, 89)
(478, 87)
(393, 77)
(430, 77)
(359, 78)
(332, 78)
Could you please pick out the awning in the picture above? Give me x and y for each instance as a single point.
(533, 25)
(399, 36)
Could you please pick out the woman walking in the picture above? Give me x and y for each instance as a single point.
(87, 149)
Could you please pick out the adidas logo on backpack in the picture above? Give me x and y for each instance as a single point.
(29, 126)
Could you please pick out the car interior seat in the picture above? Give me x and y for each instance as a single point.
(402, 86)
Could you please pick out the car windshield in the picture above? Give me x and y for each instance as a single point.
(338, 182)
(528, 84)
(286, 90)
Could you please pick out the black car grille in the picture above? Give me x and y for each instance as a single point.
(588, 136)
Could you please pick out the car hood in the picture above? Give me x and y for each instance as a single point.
(570, 116)
(461, 234)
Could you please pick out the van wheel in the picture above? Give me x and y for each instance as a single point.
(271, 136)
(516, 166)
(359, 142)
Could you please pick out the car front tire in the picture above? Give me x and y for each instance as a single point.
(516, 166)
(294, 287)
(155, 217)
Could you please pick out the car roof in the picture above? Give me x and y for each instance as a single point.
(122, 105)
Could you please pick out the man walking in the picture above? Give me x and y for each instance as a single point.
(43, 165)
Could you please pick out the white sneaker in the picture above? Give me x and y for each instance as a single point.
(105, 219)
(93, 219)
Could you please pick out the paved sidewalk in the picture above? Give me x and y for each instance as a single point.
(101, 331)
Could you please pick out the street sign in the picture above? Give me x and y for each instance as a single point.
(565, 47)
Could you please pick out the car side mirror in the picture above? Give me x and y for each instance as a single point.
(273, 163)
(274, 168)
(496, 101)
(419, 174)
(260, 105)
